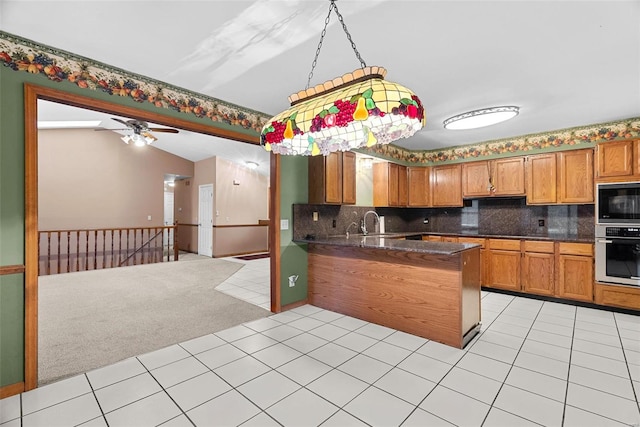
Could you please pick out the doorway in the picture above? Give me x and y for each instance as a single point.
(205, 220)
(32, 94)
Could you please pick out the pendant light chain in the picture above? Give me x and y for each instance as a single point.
(324, 32)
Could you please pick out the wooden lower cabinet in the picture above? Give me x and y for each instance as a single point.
(538, 268)
(617, 296)
(575, 271)
(504, 264)
(484, 256)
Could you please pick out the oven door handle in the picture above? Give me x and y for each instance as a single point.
(635, 277)
(604, 241)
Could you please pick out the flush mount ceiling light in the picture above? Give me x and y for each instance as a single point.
(252, 165)
(481, 118)
(359, 109)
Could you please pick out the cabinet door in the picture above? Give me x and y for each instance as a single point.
(325, 179)
(615, 158)
(381, 184)
(418, 183)
(508, 176)
(575, 277)
(541, 179)
(446, 185)
(349, 178)
(484, 257)
(575, 170)
(538, 273)
(403, 186)
(394, 180)
(475, 179)
(504, 269)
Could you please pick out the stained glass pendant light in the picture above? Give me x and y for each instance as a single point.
(358, 109)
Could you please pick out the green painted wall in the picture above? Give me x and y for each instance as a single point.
(293, 257)
(12, 203)
(11, 329)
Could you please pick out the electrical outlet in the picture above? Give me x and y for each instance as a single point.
(425, 221)
(541, 223)
(315, 216)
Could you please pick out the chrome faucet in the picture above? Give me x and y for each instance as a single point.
(349, 227)
(363, 225)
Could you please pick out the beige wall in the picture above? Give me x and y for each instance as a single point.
(234, 205)
(89, 179)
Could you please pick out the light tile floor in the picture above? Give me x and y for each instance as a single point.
(535, 363)
(251, 283)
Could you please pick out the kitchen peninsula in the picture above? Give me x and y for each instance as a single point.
(430, 289)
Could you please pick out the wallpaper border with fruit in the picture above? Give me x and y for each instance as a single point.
(558, 140)
(57, 65)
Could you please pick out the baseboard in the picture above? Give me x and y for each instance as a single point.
(240, 253)
(11, 389)
(294, 305)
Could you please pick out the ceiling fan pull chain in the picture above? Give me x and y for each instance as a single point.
(324, 32)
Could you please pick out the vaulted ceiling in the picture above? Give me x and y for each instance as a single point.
(564, 63)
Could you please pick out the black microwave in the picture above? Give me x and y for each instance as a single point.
(618, 203)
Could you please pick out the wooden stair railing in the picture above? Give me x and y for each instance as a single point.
(65, 251)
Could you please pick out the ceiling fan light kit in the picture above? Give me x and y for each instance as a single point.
(481, 118)
(358, 109)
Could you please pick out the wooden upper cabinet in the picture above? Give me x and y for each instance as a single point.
(418, 183)
(349, 178)
(329, 176)
(403, 186)
(476, 179)
(508, 176)
(615, 159)
(541, 179)
(389, 184)
(575, 176)
(446, 185)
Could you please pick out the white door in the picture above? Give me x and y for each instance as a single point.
(205, 222)
(167, 238)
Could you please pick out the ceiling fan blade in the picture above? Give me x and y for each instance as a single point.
(99, 129)
(148, 135)
(166, 130)
(121, 121)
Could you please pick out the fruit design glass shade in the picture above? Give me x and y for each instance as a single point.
(359, 109)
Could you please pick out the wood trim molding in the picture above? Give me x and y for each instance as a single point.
(239, 225)
(274, 232)
(11, 389)
(12, 269)
(31, 95)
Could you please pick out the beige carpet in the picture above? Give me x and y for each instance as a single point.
(95, 318)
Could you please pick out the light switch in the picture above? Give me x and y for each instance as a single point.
(148, 217)
(284, 224)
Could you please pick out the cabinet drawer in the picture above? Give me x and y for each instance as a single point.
(617, 296)
(537, 246)
(565, 248)
(431, 238)
(450, 239)
(504, 244)
(474, 240)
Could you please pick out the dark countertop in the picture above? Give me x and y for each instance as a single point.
(560, 237)
(392, 241)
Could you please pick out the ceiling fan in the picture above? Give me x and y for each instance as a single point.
(141, 131)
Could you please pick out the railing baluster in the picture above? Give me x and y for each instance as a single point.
(68, 250)
(95, 249)
(78, 250)
(176, 251)
(58, 272)
(112, 248)
(104, 249)
(86, 252)
(48, 252)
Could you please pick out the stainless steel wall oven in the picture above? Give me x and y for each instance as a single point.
(618, 255)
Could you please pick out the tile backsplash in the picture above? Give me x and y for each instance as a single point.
(495, 216)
